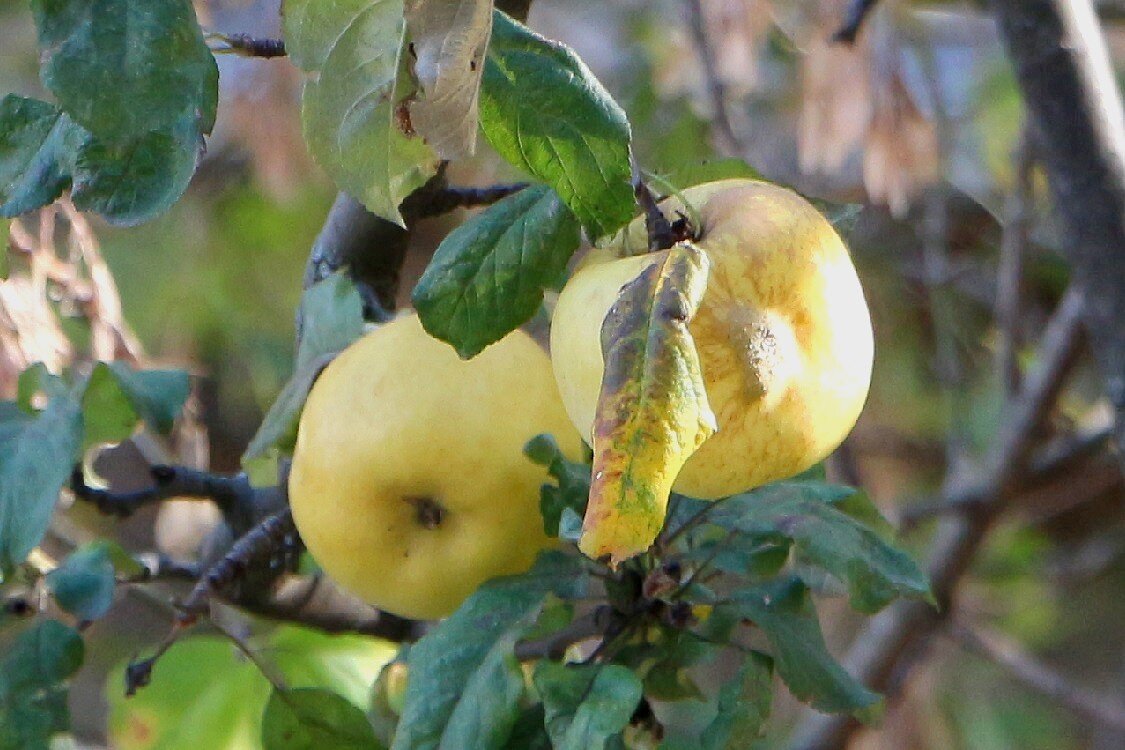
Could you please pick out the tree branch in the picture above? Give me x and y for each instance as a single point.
(235, 497)
(1106, 710)
(1068, 87)
(716, 89)
(877, 655)
(246, 45)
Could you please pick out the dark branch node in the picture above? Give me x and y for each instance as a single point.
(248, 46)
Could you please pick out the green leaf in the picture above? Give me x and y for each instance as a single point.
(158, 396)
(544, 111)
(133, 180)
(33, 705)
(123, 69)
(785, 613)
(34, 380)
(529, 732)
(471, 648)
(43, 151)
(827, 538)
(353, 109)
(83, 585)
(117, 397)
(36, 457)
(36, 143)
(312, 718)
(206, 694)
(744, 706)
(572, 483)
(449, 39)
(653, 412)
(3, 227)
(586, 705)
(487, 712)
(332, 311)
(488, 275)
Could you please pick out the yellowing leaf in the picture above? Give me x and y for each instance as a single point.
(653, 412)
(449, 39)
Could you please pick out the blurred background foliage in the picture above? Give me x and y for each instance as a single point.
(920, 123)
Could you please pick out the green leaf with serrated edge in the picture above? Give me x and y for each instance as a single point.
(312, 718)
(42, 151)
(124, 69)
(445, 661)
(353, 109)
(586, 705)
(36, 145)
(652, 412)
(449, 39)
(488, 275)
(133, 180)
(784, 611)
(489, 707)
(35, 460)
(544, 111)
(33, 693)
(83, 584)
(332, 311)
(572, 482)
(744, 706)
(828, 539)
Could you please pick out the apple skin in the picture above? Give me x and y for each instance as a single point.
(783, 333)
(398, 427)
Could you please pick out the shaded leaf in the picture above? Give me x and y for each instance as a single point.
(530, 732)
(354, 110)
(447, 660)
(488, 275)
(107, 414)
(312, 718)
(544, 111)
(711, 170)
(36, 143)
(586, 705)
(785, 613)
(33, 705)
(449, 39)
(652, 411)
(158, 396)
(131, 181)
(828, 539)
(744, 706)
(124, 69)
(36, 457)
(83, 585)
(572, 483)
(332, 311)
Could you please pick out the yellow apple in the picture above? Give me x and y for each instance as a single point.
(783, 333)
(408, 483)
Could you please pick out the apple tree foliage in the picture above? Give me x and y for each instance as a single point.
(573, 654)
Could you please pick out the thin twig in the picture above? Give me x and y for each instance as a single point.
(729, 141)
(598, 622)
(1107, 710)
(1009, 274)
(878, 653)
(259, 543)
(234, 495)
(425, 205)
(246, 45)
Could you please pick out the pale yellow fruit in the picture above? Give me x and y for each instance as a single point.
(783, 333)
(409, 484)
